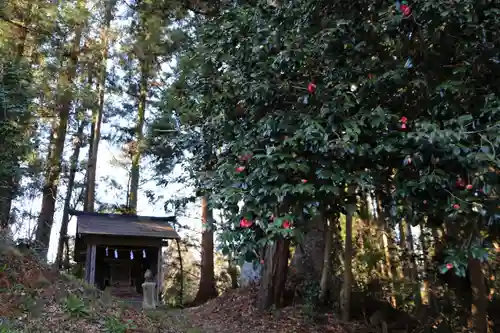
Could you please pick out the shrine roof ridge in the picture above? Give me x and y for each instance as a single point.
(124, 216)
(90, 223)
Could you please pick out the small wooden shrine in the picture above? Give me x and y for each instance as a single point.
(118, 249)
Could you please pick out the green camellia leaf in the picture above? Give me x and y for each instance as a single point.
(460, 271)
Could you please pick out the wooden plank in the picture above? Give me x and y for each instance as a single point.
(87, 263)
(122, 241)
(92, 264)
(159, 274)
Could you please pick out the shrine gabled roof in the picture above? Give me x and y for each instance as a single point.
(124, 225)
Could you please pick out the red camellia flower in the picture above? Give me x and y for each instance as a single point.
(244, 223)
(403, 121)
(304, 181)
(311, 87)
(370, 76)
(456, 206)
(469, 187)
(286, 224)
(240, 169)
(406, 10)
(262, 261)
(449, 265)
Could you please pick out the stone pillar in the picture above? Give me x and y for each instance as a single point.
(149, 295)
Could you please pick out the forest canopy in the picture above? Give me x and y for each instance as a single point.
(344, 144)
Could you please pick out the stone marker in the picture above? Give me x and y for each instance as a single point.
(149, 297)
(250, 273)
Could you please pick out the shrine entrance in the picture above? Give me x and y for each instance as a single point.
(121, 269)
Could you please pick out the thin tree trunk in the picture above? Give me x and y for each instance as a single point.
(58, 134)
(181, 266)
(479, 307)
(207, 289)
(387, 244)
(404, 250)
(63, 234)
(97, 114)
(387, 253)
(413, 268)
(91, 167)
(425, 251)
(438, 235)
(345, 299)
(374, 229)
(326, 277)
(139, 133)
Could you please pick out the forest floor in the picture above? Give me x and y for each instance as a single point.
(234, 311)
(35, 298)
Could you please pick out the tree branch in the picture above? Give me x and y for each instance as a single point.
(17, 24)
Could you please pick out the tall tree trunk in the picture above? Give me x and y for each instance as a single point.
(438, 246)
(98, 113)
(345, 299)
(479, 307)
(207, 289)
(413, 268)
(63, 234)
(89, 195)
(387, 242)
(425, 251)
(326, 273)
(272, 284)
(403, 250)
(387, 253)
(139, 133)
(58, 134)
(181, 268)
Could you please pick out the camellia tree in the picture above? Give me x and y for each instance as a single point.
(305, 99)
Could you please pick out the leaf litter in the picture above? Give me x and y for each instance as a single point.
(36, 298)
(236, 311)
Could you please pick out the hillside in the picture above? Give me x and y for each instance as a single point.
(34, 298)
